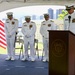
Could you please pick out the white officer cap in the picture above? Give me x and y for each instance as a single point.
(27, 16)
(68, 7)
(9, 13)
(46, 14)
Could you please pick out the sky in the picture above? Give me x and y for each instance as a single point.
(37, 9)
(29, 10)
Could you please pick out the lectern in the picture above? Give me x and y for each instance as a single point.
(61, 52)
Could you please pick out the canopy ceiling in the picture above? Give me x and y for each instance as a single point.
(9, 4)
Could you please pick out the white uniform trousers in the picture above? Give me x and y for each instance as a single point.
(10, 46)
(27, 42)
(46, 48)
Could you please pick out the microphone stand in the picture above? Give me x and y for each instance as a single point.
(69, 26)
(69, 21)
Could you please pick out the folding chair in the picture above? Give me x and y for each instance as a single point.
(20, 41)
(42, 54)
(36, 47)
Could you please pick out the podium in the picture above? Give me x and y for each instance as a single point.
(61, 52)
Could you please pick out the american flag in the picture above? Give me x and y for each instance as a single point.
(2, 36)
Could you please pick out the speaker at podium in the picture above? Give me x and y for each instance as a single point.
(61, 52)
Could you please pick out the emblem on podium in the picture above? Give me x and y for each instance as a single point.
(58, 48)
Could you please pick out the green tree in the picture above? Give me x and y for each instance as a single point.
(62, 15)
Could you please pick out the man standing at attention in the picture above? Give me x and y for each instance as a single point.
(45, 26)
(29, 29)
(11, 26)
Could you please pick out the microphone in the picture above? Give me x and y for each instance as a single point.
(69, 17)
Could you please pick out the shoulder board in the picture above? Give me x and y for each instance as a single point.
(32, 22)
(66, 15)
(7, 19)
(24, 23)
(15, 19)
(51, 21)
(43, 21)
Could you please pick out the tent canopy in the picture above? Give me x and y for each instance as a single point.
(10, 4)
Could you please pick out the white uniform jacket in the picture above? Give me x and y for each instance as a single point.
(45, 26)
(11, 26)
(29, 29)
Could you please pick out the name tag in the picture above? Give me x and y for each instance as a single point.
(43, 24)
(25, 25)
(7, 22)
(66, 19)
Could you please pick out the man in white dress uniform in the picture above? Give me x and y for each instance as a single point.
(11, 26)
(29, 29)
(45, 26)
(69, 19)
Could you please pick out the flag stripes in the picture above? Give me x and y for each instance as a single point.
(2, 36)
